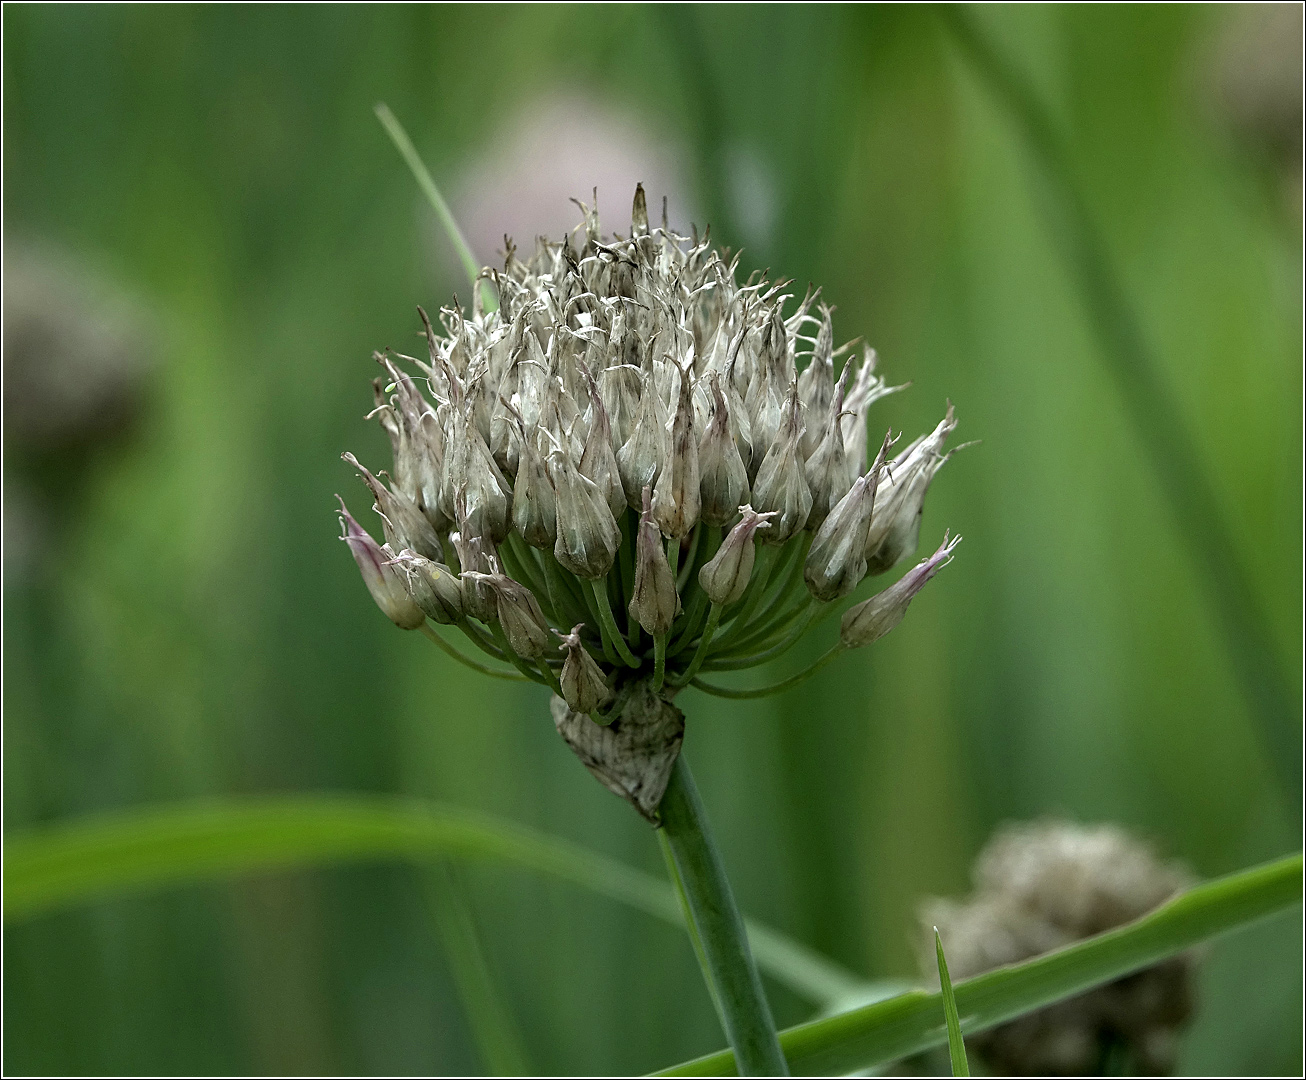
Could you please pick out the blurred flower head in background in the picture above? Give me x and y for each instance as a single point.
(78, 352)
(559, 146)
(1044, 885)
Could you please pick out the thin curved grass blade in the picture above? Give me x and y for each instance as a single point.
(62, 865)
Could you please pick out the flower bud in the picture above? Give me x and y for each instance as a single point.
(781, 486)
(476, 556)
(867, 389)
(519, 615)
(816, 384)
(403, 523)
(383, 581)
(583, 686)
(896, 521)
(836, 562)
(873, 618)
(676, 498)
(534, 505)
(640, 458)
(826, 470)
(725, 576)
(432, 585)
(588, 536)
(598, 462)
(639, 213)
(723, 480)
(654, 603)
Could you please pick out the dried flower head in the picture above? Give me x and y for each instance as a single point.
(636, 444)
(1044, 885)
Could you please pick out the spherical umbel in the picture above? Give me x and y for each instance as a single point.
(635, 444)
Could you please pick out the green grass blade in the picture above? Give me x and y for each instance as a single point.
(58, 866)
(876, 1034)
(492, 1026)
(424, 181)
(956, 1045)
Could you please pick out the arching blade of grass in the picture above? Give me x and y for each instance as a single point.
(58, 866)
(956, 1045)
(422, 175)
(876, 1034)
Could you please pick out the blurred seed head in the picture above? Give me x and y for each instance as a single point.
(1041, 886)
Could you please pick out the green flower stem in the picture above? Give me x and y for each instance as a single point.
(704, 643)
(429, 631)
(727, 960)
(752, 597)
(609, 624)
(516, 660)
(695, 541)
(673, 556)
(659, 661)
(481, 640)
(693, 619)
(547, 672)
(674, 874)
(774, 688)
(522, 567)
(785, 583)
(804, 616)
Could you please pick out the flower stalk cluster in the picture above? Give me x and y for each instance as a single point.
(637, 467)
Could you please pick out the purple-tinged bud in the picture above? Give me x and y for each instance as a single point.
(583, 686)
(588, 535)
(873, 618)
(836, 562)
(781, 486)
(432, 585)
(827, 469)
(405, 526)
(723, 479)
(383, 580)
(519, 615)
(654, 603)
(896, 522)
(726, 575)
(676, 498)
(640, 458)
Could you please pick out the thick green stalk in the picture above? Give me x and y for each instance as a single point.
(727, 960)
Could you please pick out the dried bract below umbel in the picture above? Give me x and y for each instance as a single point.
(639, 446)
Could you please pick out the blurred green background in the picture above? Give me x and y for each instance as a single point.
(181, 621)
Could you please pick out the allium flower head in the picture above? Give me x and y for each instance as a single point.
(634, 443)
